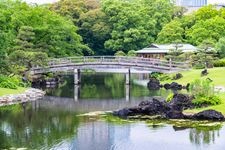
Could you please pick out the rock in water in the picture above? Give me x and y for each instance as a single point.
(209, 115)
(154, 107)
(175, 86)
(180, 102)
(153, 84)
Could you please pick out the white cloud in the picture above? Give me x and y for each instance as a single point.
(40, 1)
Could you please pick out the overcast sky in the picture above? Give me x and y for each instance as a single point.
(40, 1)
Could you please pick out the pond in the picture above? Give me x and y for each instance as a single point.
(54, 122)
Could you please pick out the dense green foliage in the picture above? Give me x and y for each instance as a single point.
(203, 91)
(30, 34)
(219, 63)
(11, 82)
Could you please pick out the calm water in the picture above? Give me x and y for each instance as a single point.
(52, 123)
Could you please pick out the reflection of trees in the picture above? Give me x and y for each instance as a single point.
(35, 128)
(102, 85)
(205, 135)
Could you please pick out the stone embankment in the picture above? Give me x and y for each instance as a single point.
(29, 95)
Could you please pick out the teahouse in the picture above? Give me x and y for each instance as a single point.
(159, 51)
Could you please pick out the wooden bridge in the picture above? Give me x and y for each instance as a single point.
(126, 64)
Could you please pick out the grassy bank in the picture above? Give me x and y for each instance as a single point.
(215, 74)
(4, 91)
(220, 108)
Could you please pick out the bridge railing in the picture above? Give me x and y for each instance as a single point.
(118, 60)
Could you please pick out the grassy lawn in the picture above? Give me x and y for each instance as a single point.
(4, 91)
(216, 74)
(218, 77)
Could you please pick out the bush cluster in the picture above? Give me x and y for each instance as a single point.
(203, 91)
(11, 82)
(219, 63)
(177, 76)
(160, 76)
(203, 100)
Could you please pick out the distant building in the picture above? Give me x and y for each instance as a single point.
(194, 5)
(159, 51)
(191, 3)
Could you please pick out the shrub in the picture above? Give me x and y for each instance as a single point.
(160, 76)
(169, 97)
(12, 82)
(202, 88)
(8, 84)
(177, 76)
(203, 91)
(120, 53)
(203, 100)
(155, 75)
(164, 77)
(219, 63)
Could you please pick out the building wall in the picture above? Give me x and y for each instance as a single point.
(191, 3)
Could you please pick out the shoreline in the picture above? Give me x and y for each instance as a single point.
(30, 94)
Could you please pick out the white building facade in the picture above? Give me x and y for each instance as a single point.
(191, 3)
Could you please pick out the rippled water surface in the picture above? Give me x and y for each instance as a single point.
(52, 123)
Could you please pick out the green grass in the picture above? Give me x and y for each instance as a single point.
(215, 74)
(4, 91)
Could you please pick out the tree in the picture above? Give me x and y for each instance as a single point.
(171, 32)
(220, 47)
(25, 38)
(206, 13)
(205, 54)
(28, 59)
(120, 53)
(206, 30)
(132, 53)
(132, 27)
(95, 30)
(175, 52)
(179, 11)
(24, 53)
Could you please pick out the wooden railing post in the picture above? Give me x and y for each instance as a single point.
(170, 64)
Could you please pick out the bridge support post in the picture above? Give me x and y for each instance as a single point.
(128, 77)
(127, 93)
(76, 93)
(77, 76)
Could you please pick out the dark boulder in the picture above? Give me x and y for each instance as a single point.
(154, 107)
(123, 113)
(181, 102)
(173, 114)
(175, 86)
(153, 84)
(204, 72)
(209, 115)
(167, 86)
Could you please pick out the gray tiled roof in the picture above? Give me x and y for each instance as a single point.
(164, 48)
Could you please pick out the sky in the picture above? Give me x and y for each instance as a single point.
(40, 1)
(216, 1)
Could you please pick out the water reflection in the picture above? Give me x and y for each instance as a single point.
(52, 123)
(35, 127)
(102, 86)
(204, 136)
